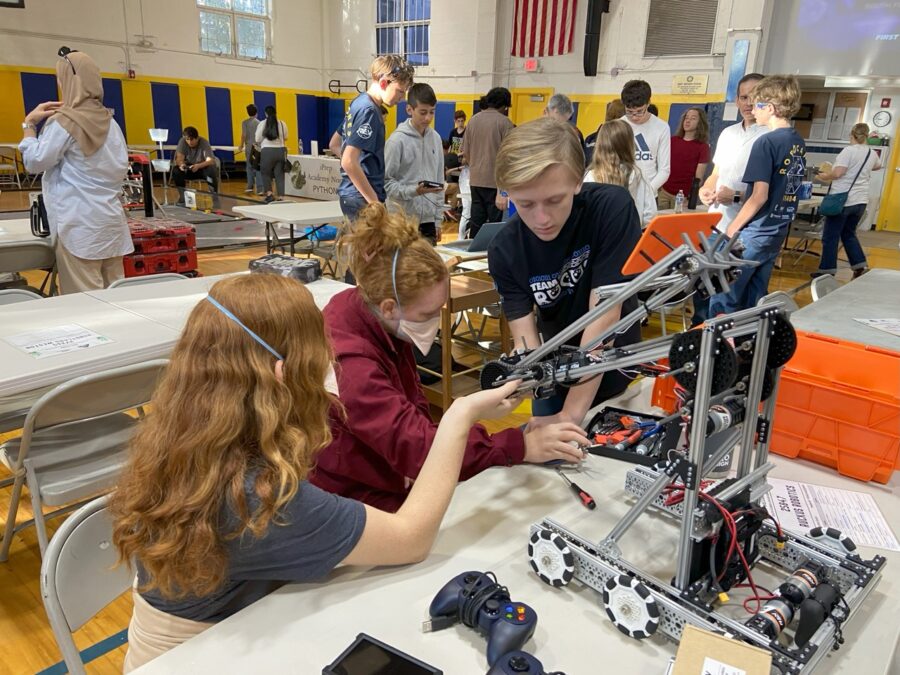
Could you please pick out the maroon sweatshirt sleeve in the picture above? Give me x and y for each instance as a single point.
(385, 420)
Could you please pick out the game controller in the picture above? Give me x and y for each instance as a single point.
(518, 663)
(478, 601)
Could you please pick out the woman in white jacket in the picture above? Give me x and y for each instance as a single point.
(413, 154)
(614, 163)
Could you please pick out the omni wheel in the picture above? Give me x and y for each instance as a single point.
(551, 558)
(631, 607)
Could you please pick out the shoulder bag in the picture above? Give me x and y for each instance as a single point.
(833, 204)
(40, 226)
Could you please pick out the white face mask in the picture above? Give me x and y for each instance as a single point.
(331, 384)
(420, 333)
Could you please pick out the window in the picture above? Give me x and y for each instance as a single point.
(401, 27)
(235, 28)
(678, 28)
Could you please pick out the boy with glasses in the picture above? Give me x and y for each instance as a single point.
(362, 150)
(775, 171)
(651, 134)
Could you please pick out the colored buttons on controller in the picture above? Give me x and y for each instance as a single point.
(509, 616)
(509, 608)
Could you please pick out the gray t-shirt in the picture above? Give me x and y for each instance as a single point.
(248, 130)
(200, 153)
(319, 531)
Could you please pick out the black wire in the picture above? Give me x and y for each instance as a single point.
(474, 601)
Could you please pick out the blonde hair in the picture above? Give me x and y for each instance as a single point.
(702, 125)
(782, 91)
(220, 418)
(615, 109)
(375, 237)
(392, 66)
(528, 150)
(860, 132)
(613, 160)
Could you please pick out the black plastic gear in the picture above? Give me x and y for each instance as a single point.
(782, 341)
(686, 349)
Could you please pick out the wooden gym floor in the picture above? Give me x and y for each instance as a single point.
(28, 644)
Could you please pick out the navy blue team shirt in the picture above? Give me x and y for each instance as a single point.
(364, 129)
(779, 159)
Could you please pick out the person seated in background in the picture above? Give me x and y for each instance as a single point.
(452, 167)
(614, 110)
(614, 164)
(560, 107)
(382, 434)
(214, 507)
(690, 157)
(566, 240)
(412, 156)
(194, 160)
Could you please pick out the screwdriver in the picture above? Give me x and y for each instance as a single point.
(585, 498)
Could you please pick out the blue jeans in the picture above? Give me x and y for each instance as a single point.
(351, 206)
(253, 174)
(752, 282)
(842, 228)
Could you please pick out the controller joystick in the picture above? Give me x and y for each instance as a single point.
(518, 663)
(478, 601)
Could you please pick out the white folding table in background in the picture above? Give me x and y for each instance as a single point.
(291, 214)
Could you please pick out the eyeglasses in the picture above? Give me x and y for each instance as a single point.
(63, 53)
(637, 112)
(761, 104)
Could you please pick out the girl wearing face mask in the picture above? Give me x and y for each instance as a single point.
(381, 438)
(214, 506)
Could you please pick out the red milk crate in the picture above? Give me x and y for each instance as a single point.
(159, 235)
(158, 263)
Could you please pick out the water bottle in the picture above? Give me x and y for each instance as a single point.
(679, 202)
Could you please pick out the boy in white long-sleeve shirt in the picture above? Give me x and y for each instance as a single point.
(651, 135)
(413, 155)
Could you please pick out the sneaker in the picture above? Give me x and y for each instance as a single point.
(248, 191)
(261, 194)
(859, 272)
(180, 202)
(817, 274)
(269, 199)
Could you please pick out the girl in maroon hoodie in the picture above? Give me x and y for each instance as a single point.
(381, 439)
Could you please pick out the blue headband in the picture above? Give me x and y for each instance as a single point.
(394, 278)
(249, 332)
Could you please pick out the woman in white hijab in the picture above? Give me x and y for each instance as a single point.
(82, 154)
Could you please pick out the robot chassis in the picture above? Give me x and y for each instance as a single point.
(705, 363)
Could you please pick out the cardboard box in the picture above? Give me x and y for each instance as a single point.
(703, 653)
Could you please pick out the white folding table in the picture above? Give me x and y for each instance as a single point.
(302, 627)
(291, 214)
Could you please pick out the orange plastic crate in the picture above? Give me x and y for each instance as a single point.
(839, 405)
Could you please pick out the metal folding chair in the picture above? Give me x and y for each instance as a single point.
(13, 295)
(31, 255)
(146, 279)
(79, 576)
(73, 443)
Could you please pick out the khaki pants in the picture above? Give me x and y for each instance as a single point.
(153, 632)
(664, 200)
(79, 274)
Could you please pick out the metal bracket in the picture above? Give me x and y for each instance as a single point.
(685, 470)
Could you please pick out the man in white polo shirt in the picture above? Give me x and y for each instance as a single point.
(724, 188)
(723, 191)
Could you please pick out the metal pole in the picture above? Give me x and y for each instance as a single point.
(741, 483)
(639, 507)
(708, 346)
(754, 392)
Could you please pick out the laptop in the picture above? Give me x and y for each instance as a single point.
(482, 239)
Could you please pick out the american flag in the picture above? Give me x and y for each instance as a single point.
(543, 27)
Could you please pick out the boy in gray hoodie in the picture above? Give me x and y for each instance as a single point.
(413, 154)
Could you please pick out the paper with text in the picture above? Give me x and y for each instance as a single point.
(57, 340)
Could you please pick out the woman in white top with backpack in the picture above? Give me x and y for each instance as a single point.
(850, 176)
(270, 136)
(614, 163)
